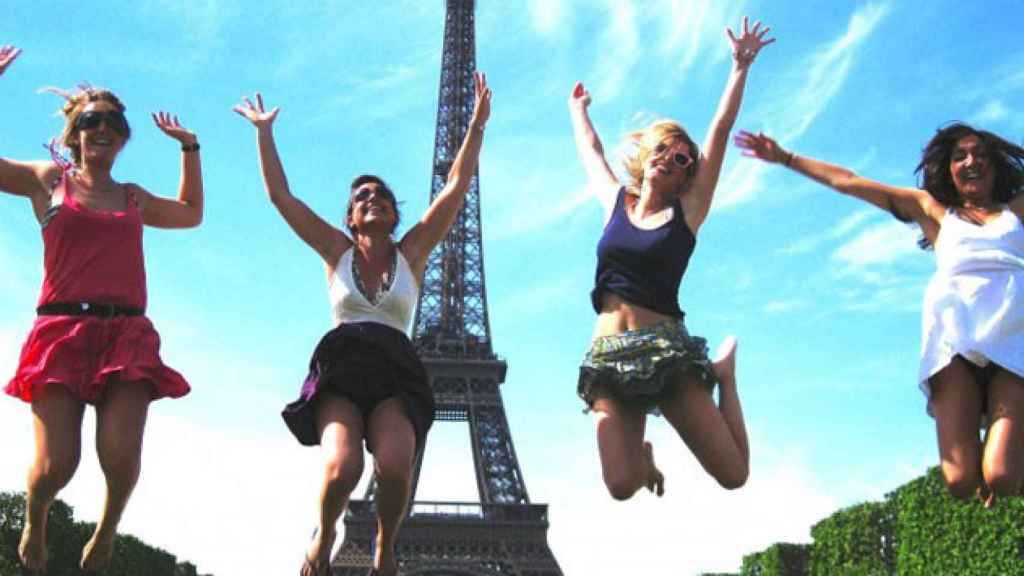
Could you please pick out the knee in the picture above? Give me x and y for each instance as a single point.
(961, 484)
(394, 471)
(733, 479)
(1002, 482)
(343, 474)
(621, 486)
(54, 472)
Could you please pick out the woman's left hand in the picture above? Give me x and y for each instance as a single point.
(482, 106)
(750, 42)
(168, 124)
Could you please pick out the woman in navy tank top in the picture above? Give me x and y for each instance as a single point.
(91, 342)
(642, 360)
(970, 207)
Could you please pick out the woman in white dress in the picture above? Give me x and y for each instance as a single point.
(970, 210)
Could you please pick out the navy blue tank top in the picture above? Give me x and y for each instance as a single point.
(644, 267)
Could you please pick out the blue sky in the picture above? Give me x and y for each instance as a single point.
(823, 292)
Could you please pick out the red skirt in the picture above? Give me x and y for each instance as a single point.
(83, 354)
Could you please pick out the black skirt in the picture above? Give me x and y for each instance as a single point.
(365, 363)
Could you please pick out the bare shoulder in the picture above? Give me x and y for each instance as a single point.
(137, 193)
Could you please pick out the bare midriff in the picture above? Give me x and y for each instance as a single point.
(618, 315)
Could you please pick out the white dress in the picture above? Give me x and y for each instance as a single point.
(974, 304)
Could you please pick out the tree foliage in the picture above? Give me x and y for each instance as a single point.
(65, 538)
(918, 530)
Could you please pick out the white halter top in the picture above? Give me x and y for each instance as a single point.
(395, 308)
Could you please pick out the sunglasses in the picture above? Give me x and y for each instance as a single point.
(679, 159)
(92, 119)
(363, 194)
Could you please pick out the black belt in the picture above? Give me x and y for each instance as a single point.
(86, 309)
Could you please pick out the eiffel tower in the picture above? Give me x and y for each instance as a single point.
(503, 534)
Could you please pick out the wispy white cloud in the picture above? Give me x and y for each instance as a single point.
(619, 45)
(840, 230)
(785, 306)
(546, 16)
(884, 243)
(993, 110)
(827, 70)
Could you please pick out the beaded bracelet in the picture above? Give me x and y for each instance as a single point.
(193, 147)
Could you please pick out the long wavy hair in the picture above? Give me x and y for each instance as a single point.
(1005, 157)
(75, 102)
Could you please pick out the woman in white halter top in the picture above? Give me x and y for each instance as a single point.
(365, 381)
(972, 350)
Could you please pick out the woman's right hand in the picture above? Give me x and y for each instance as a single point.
(761, 147)
(256, 113)
(579, 99)
(8, 54)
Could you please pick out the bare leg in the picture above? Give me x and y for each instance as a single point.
(717, 435)
(1003, 459)
(341, 442)
(627, 462)
(120, 422)
(57, 422)
(394, 451)
(956, 404)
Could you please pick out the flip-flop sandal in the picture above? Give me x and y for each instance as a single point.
(318, 566)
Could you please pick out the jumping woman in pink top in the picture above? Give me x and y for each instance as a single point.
(92, 343)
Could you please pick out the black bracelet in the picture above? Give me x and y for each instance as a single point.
(193, 147)
(789, 160)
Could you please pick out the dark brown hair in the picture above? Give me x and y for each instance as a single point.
(368, 179)
(1005, 157)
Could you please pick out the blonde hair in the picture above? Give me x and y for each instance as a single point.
(74, 103)
(642, 143)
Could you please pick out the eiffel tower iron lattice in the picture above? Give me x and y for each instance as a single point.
(503, 534)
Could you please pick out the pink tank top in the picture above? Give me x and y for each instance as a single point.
(92, 256)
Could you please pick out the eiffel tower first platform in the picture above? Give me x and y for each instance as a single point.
(503, 534)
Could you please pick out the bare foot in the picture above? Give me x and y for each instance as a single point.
(987, 496)
(384, 561)
(318, 557)
(725, 361)
(98, 551)
(32, 548)
(655, 479)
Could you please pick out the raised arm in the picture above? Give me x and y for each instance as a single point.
(186, 211)
(32, 180)
(600, 178)
(440, 215)
(329, 242)
(697, 200)
(911, 203)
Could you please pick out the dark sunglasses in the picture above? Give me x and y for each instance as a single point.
(363, 194)
(92, 119)
(680, 159)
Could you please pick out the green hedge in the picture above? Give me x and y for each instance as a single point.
(918, 530)
(782, 559)
(65, 539)
(939, 535)
(856, 541)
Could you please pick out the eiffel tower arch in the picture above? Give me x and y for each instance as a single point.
(502, 534)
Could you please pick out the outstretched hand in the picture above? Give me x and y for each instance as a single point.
(579, 99)
(257, 113)
(482, 106)
(8, 54)
(761, 147)
(750, 42)
(168, 124)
